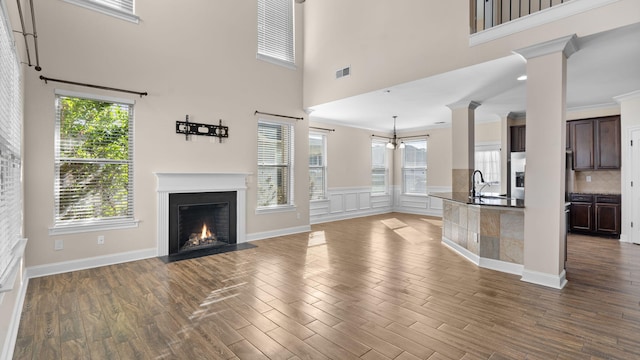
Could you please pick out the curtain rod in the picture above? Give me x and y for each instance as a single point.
(282, 116)
(46, 79)
(401, 137)
(319, 128)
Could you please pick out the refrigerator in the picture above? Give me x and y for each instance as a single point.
(517, 176)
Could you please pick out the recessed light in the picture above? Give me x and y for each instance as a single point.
(522, 77)
(387, 91)
(439, 122)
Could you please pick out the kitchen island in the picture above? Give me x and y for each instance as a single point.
(487, 230)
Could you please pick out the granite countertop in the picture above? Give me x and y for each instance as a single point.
(490, 200)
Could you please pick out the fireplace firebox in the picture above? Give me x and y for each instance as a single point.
(201, 220)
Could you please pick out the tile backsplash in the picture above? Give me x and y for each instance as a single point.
(602, 182)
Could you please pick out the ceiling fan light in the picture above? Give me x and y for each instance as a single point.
(390, 145)
(401, 146)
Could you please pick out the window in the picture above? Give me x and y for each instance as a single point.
(93, 161)
(10, 154)
(487, 159)
(275, 164)
(379, 166)
(317, 166)
(275, 32)
(414, 167)
(122, 9)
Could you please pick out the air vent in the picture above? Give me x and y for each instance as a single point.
(343, 72)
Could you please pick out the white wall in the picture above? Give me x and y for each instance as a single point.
(386, 44)
(196, 58)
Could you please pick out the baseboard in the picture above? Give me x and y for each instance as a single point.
(349, 215)
(462, 251)
(544, 279)
(88, 263)
(279, 232)
(14, 324)
(418, 211)
(502, 266)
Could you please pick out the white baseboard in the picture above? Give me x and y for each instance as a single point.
(502, 266)
(319, 219)
(279, 232)
(417, 211)
(544, 279)
(12, 334)
(462, 251)
(88, 263)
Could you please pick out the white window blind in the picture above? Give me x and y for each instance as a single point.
(119, 8)
(379, 166)
(276, 41)
(414, 167)
(317, 166)
(275, 164)
(10, 151)
(93, 161)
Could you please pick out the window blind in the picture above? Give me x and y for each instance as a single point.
(378, 166)
(317, 166)
(10, 148)
(275, 31)
(123, 9)
(414, 167)
(93, 161)
(275, 173)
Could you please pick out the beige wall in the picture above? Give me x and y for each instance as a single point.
(386, 44)
(198, 58)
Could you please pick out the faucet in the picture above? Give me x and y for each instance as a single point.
(473, 182)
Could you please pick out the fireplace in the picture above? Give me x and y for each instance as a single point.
(201, 220)
(202, 195)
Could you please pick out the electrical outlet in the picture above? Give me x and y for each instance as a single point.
(588, 178)
(475, 237)
(58, 245)
(101, 240)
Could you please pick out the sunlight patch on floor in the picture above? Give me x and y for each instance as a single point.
(393, 223)
(316, 238)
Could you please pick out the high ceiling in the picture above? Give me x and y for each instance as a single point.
(606, 65)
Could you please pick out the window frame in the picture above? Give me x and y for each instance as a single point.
(323, 166)
(405, 168)
(265, 38)
(385, 168)
(102, 7)
(94, 224)
(290, 205)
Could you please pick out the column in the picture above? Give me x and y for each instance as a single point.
(544, 221)
(463, 144)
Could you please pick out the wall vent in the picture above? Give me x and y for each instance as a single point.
(343, 72)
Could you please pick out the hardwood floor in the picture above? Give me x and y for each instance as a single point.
(381, 287)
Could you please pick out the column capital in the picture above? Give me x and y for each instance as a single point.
(462, 104)
(567, 44)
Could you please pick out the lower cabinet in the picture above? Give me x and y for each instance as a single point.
(595, 214)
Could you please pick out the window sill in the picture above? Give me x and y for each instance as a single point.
(379, 194)
(275, 209)
(123, 15)
(74, 228)
(415, 195)
(276, 61)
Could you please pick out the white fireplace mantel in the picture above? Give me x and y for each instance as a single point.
(169, 183)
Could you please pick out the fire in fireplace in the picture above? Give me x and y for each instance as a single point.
(201, 220)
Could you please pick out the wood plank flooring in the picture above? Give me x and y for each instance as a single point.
(381, 287)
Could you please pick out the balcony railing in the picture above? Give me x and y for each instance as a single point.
(486, 14)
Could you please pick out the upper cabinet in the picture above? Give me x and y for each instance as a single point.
(518, 138)
(596, 143)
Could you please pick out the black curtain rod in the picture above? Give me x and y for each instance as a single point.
(319, 128)
(46, 79)
(282, 116)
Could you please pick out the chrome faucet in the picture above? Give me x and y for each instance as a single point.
(473, 182)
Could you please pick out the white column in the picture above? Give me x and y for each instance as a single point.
(544, 224)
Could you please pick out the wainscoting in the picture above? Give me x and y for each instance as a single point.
(352, 202)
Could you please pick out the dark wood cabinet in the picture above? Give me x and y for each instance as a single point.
(518, 138)
(608, 143)
(595, 214)
(595, 143)
(582, 144)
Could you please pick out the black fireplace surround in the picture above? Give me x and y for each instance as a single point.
(201, 220)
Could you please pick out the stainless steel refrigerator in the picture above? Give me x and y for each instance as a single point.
(518, 165)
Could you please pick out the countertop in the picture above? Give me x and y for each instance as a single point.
(462, 197)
